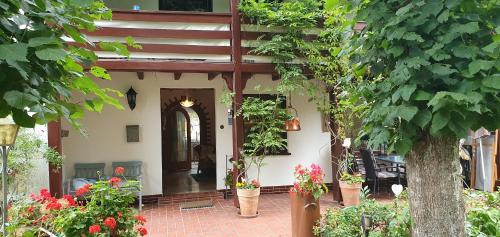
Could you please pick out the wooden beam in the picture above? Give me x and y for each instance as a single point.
(238, 129)
(160, 33)
(264, 68)
(140, 75)
(164, 66)
(228, 78)
(169, 48)
(172, 16)
(336, 152)
(55, 173)
(212, 75)
(177, 75)
(244, 78)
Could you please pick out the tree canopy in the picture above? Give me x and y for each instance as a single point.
(434, 68)
(41, 71)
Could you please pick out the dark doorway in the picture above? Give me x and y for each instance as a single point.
(188, 140)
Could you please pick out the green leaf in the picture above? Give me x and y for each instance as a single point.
(492, 81)
(439, 121)
(100, 72)
(464, 51)
(14, 52)
(443, 16)
(75, 34)
(421, 95)
(19, 100)
(396, 51)
(423, 118)
(406, 112)
(412, 36)
(37, 41)
(22, 118)
(51, 54)
(469, 28)
(404, 10)
(403, 146)
(476, 66)
(441, 69)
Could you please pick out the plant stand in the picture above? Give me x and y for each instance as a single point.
(305, 212)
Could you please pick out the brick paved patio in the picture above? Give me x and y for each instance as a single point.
(167, 220)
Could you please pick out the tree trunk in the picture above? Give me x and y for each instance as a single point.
(435, 188)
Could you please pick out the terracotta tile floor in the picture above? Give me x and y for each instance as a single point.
(167, 220)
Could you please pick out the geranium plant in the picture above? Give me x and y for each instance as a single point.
(100, 209)
(309, 181)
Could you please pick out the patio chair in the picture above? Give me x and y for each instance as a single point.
(374, 173)
(133, 171)
(85, 173)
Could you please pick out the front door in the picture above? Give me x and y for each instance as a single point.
(177, 140)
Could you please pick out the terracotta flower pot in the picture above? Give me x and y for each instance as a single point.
(305, 212)
(249, 201)
(350, 193)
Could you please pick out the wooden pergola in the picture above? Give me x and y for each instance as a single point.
(235, 71)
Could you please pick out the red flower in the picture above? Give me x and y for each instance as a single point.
(115, 181)
(70, 199)
(142, 231)
(45, 193)
(140, 219)
(53, 205)
(119, 214)
(94, 229)
(119, 170)
(31, 209)
(83, 190)
(110, 222)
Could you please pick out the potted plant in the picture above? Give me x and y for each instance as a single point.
(265, 120)
(350, 183)
(309, 186)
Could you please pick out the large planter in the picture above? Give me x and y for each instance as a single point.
(305, 213)
(249, 201)
(350, 193)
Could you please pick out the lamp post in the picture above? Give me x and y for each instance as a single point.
(8, 134)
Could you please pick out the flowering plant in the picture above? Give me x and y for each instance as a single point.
(309, 181)
(101, 209)
(248, 185)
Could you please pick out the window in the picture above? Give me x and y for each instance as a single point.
(248, 124)
(186, 5)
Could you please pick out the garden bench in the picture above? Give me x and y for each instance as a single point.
(85, 173)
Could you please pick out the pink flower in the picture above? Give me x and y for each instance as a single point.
(119, 170)
(140, 219)
(110, 222)
(115, 181)
(83, 190)
(93, 229)
(142, 231)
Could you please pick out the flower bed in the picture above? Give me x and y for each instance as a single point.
(482, 217)
(102, 209)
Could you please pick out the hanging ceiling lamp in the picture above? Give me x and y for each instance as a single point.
(292, 124)
(187, 102)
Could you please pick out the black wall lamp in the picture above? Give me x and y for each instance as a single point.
(131, 98)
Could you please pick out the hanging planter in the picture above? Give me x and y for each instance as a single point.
(292, 124)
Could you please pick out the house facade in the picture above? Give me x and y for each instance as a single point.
(194, 56)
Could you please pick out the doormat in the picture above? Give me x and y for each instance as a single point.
(197, 205)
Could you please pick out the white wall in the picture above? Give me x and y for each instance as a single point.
(106, 140)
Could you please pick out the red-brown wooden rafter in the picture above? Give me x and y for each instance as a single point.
(160, 33)
(172, 48)
(172, 16)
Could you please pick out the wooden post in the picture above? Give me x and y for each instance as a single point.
(496, 181)
(238, 138)
(336, 152)
(55, 174)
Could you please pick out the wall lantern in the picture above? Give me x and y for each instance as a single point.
(131, 98)
(8, 134)
(292, 124)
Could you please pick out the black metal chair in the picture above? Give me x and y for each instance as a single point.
(374, 173)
